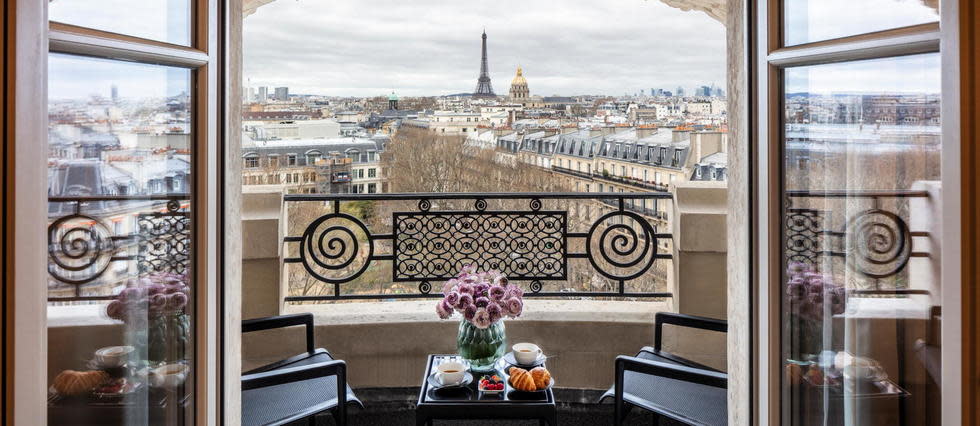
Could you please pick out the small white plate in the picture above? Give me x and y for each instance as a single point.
(435, 383)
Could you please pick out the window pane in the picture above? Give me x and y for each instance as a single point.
(119, 287)
(862, 290)
(807, 21)
(162, 20)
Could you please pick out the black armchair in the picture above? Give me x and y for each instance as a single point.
(669, 385)
(298, 387)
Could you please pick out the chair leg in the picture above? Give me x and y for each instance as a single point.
(339, 418)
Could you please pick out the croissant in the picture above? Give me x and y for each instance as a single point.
(71, 382)
(520, 379)
(541, 376)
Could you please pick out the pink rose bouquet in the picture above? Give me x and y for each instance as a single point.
(482, 298)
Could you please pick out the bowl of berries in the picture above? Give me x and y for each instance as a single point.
(491, 384)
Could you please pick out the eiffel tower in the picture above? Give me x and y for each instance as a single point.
(483, 88)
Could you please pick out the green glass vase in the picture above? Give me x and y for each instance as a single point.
(481, 348)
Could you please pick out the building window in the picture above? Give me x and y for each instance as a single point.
(312, 157)
(291, 160)
(372, 188)
(274, 161)
(588, 188)
(251, 161)
(360, 173)
(372, 173)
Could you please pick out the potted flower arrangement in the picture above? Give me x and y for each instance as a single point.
(153, 309)
(483, 299)
(811, 295)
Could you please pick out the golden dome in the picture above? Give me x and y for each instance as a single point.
(519, 79)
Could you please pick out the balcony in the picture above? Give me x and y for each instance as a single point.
(371, 275)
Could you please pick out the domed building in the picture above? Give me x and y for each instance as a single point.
(518, 87)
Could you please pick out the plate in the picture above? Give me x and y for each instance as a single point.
(509, 359)
(434, 382)
(550, 384)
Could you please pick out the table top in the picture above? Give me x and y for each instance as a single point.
(470, 395)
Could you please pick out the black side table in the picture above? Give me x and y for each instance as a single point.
(469, 404)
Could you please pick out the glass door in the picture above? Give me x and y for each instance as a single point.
(131, 131)
(854, 208)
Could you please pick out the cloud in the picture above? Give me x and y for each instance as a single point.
(427, 47)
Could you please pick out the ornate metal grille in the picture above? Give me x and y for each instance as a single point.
(875, 242)
(532, 245)
(82, 246)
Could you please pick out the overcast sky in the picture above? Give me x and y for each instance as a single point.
(429, 47)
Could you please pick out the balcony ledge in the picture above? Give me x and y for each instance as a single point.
(423, 311)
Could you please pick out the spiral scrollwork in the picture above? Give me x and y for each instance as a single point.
(425, 287)
(535, 286)
(173, 206)
(80, 248)
(535, 204)
(332, 246)
(425, 205)
(480, 204)
(879, 243)
(624, 254)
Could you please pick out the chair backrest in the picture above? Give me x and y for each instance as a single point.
(683, 320)
(259, 324)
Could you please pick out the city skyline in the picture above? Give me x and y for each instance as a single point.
(436, 53)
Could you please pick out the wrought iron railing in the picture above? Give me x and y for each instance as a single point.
(82, 245)
(431, 236)
(876, 241)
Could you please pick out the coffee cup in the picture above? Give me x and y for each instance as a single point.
(526, 353)
(451, 373)
(113, 356)
(169, 375)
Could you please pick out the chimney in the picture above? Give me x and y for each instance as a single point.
(645, 131)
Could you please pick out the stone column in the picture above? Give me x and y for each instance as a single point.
(262, 216)
(700, 248)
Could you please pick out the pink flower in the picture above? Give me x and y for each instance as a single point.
(514, 291)
(448, 286)
(465, 288)
(481, 290)
(176, 301)
(465, 300)
(482, 302)
(469, 312)
(115, 310)
(501, 281)
(452, 298)
(495, 311)
(469, 269)
(158, 303)
(444, 310)
(482, 319)
(497, 292)
(514, 307)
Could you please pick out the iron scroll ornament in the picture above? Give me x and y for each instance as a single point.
(629, 249)
(879, 243)
(335, 247)
(79, 254)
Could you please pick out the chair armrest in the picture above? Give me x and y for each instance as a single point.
(267, 323)
(683, 320)
(670, 371)
(297, 374)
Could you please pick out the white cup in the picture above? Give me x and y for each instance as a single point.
(113, 356)
(451, 373)
(526, 353)
(169, 375)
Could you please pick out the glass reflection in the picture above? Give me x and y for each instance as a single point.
(807, 21)
(119, 288)
(162, 20)
(861, 294)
